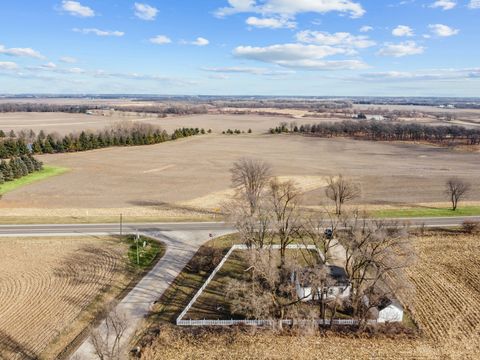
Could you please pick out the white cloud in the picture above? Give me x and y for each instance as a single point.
(444, 4)
(443, 30)
(299, 56)
(68, 59)
(247, 70)
(308, 64)
(49, 65)
(99, 32)
(145, 11)
(343, 39)
(433, 74)
(76, 9)
(403, 30)
(8, 65)
(474, 4)
(200, 41)
(272, 23)
(366, 28)
(291, 8)
(24, 52)
(160, 40)
(402, 49)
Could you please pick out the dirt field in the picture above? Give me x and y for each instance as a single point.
(447, 280)
(63, 123)
(175, 176)
(446, 307)
(46, 285)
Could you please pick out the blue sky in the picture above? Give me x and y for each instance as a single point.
(241, 47)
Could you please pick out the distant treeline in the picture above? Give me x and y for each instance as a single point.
(179, 109)
(130, 134)
(162, 109)
(386, 131)
(17, 167)
(33, 107)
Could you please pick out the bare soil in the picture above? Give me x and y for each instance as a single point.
(194, 172)
(47, 288)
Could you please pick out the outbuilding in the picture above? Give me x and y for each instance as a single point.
(390, 311)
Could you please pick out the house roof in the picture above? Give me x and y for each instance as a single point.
(387, 302)
(337, 273)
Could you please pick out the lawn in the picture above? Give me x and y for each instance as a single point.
(45, 173)
(143, 256)
(426, 212)
(212, 303)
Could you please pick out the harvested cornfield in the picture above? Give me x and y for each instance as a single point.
(446, 307)
(47, 287)
(447, 282)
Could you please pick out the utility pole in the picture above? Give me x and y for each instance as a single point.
(137, 239)
(121, 224)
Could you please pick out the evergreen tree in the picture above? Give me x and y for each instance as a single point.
(47, 147)
(22, 167)
(6, 171)
(28, 162)
(37, 147)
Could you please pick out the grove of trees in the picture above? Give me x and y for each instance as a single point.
(121, 134)
(387, 131)
(17, 167)
(267, 211)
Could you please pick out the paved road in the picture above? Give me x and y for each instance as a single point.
(94, 229)
(79, 229)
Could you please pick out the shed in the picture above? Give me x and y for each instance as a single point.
(390, 311)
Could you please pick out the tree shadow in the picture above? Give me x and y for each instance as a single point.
(10, 347)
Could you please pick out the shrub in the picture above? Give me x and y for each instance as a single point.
(471, 227)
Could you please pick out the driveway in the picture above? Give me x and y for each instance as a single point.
(181, 246)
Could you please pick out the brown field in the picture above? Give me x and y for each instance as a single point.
(446, 307)
(63, 123)
(447, 282)
(50, 288)
(194, 172)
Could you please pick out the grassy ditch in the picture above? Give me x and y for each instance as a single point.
(426, 212)
(45, 173)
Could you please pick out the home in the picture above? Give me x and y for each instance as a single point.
(338, 284)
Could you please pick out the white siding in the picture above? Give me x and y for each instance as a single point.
(391, 313)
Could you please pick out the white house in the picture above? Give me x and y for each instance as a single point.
(340, 288)
(390, 311)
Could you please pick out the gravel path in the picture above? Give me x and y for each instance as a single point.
(181, 246)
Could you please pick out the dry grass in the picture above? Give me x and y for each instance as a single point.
(50, 289)
(446, 308)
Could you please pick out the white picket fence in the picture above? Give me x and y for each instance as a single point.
(340, 322)
(181, 322)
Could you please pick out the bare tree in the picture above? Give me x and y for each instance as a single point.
(254, 229)
(341, 190)
(285, 198)
(320, 230)
(106, 340)
(268, 294)
(456, 189)
(250, 177)
(377, 256)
